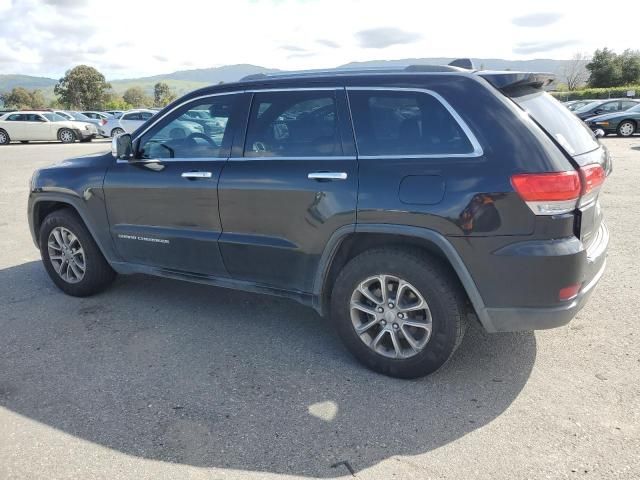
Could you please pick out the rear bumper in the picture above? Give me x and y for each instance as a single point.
(523, 319)
(512, 319)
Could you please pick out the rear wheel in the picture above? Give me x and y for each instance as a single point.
(400, 312)
(626, 128)
(71, 257)
(4, 137)
(66, 135)
(116, 131)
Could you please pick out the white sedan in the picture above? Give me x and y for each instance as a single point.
(25, 126)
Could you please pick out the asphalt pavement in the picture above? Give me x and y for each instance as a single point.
(159, 379)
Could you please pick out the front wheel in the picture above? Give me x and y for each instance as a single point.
(71, 257)
(400, 312)
(116, 131)
(66, 135)
(626, 128)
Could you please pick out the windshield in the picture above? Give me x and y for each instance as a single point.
(568, 130)
(54, 117)
(587, 107)
(79, 116)
(634, 109)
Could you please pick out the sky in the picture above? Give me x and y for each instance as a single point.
(133, 38)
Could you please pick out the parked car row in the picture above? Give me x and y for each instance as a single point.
(71, 125)
(615, 115)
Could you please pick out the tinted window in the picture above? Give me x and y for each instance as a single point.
(293, 124)
(405, 123)
(146, 115)
(198, 130)
(131, 116)
(564, 126)
(609, 107)
(16, 117)
(34, 117)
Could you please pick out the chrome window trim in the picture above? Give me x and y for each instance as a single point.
(477, 149)
(326, 157)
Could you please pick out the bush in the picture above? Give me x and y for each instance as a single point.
(587, 93)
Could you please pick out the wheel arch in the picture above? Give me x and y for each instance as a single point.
(632, 120)
(350, 241)
(44, 205)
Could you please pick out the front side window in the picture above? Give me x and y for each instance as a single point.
(405, 123)
(293, 124)
(610, 107)
(197, 130)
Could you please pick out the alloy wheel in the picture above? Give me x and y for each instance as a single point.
(66, 136)
(391, 316)
(66, 255)
(626, 129)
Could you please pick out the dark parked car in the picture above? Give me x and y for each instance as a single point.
(600, 107)
(624, 123)
(576, 104)
(401, 203)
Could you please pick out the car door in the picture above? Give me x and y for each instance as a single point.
(130, 121)
(163, 203)
(37, 127)
(15, 126)
(288, 187)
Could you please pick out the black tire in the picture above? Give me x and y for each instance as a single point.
(98, 273)
(624, 126)
(66, 135)
(435, 282)
(116, 131)
(4, 137)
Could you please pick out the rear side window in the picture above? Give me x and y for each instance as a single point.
(293, 124)
(390, 122)
(568, 130)
(16, 117)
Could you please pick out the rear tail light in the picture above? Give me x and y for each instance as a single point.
(548, 193)
(592, 177)
(559, 192)
(103, 121)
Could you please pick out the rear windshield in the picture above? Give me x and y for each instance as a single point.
(568, 130)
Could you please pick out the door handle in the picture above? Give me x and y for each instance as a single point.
(194, 175)
(327, 176)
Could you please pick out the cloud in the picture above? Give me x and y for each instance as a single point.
(66, 3)
(524, 48)
(301, 55)
(541, 19)
(292, 48)
(385, 37)
(328, 43)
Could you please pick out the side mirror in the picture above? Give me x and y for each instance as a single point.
(122, 147)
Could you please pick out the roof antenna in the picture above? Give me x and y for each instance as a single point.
(465, 63)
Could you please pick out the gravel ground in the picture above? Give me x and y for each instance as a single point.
(157, 379)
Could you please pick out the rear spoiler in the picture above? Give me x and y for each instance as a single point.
(507, 80)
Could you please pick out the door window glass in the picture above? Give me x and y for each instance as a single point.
(198, 130)
(293, 124)
(405, 123)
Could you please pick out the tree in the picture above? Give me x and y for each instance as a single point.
(604, 69)
(21, 98)
(135, 96)
(630, 66)
(575, 72)
(82, 87)
(162, 94)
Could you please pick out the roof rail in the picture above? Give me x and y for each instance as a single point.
(455, 66)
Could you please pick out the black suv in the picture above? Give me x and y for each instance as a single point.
(401, 203)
